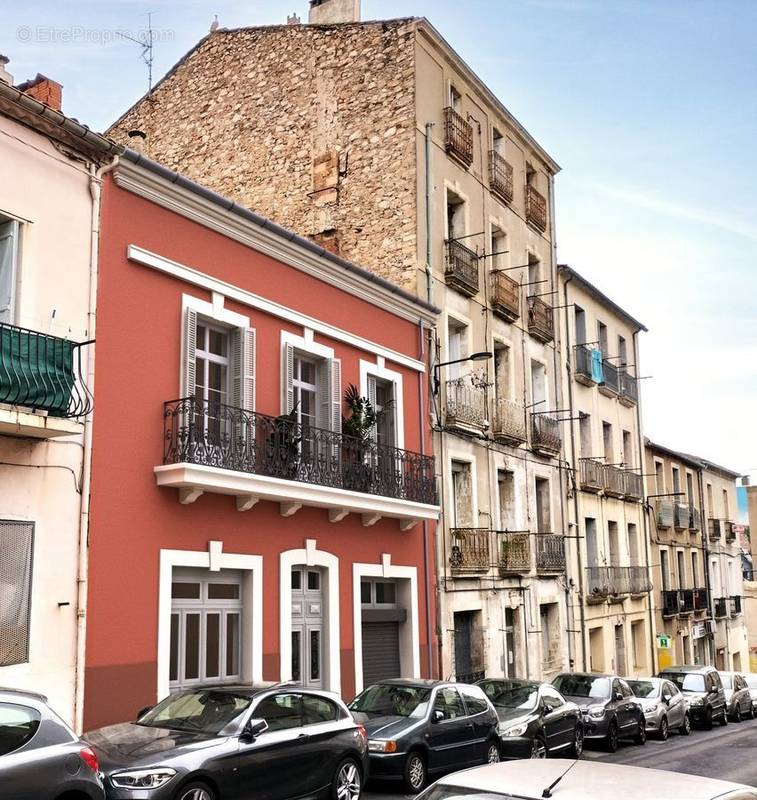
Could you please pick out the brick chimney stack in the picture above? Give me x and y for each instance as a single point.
(330, 12)
(5, 76)
(45, 90)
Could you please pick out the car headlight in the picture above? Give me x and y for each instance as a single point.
(596, 711)
(382, 746)
(515, 730)
(142, 778)
(650, 708)
(696, 701)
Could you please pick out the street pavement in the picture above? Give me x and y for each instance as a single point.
(728, 753)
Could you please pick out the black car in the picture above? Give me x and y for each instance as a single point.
(610, 710)
(423, 727)
(535, 720)
(41, 758)
(235, 742)
(703, 690)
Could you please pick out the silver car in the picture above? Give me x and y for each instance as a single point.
(737, 696)
(665, 707)
(751, 682)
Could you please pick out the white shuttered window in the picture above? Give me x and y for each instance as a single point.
(9, 234)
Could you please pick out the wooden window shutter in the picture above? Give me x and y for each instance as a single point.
(237, 367)
(335, 388)
(372, 401)
(189, 346)
(243, 355)
(287, 379)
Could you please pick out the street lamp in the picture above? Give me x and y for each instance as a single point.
(485, 355)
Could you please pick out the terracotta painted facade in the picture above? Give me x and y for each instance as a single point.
(137, 527)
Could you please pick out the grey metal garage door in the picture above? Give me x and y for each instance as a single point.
(381, 651)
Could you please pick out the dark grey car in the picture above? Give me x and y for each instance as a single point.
(610, 710)
(703, 690)
(41, 758)
(236, 743)
(417, 728)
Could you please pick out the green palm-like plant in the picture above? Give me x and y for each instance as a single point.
(362, 419)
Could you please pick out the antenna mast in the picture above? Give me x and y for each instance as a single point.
(146, 44)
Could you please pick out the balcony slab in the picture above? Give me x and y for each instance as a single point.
(26, 424)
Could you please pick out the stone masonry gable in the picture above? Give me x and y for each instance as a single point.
(331, 155)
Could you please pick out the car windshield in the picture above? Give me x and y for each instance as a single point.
(582, 686)
(386, 699)
(524, 696)
(201, 710)
(687, 681)
(644, 688)
(441, 791)
(751, 681)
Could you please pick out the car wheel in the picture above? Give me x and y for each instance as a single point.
(348, 782)
(641, 732)
(577, 748)
(195, 791)
(611, 740)
(492, 753)
(737, 714)
(751, 711)
(724, 718)
(685, 729)
(708, 720)
(663, 732)
(538, 747)
(415, 772)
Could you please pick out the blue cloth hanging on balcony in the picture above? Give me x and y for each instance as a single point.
(597, 371)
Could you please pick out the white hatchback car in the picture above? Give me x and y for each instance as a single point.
(562, 779)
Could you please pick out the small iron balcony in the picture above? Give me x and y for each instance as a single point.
(469, 552)
(664, 513)
(545, 434)
(735, 605)
(701, 599)
(713, 529)
(458, 136)
(461, 268)
(629, 389)
(509, 422)
(671, 602)
(639, 582)
(681, 516)
(688, 604)
(695, 519)
(591, 474)
(722, 607)
(614, 481)
(540, 320)
(514, 551)
(634, 485)
(730, 531)
(550, 552)
(505, 296)
(536, 209)
(500, 176)
(582, 370)
(611, 383)
(466, 404)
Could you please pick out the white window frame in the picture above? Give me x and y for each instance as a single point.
(307, 346)
(251, 629)
(8, 314)
(465, 458)
(379, 370)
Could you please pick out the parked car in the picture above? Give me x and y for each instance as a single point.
(703, 691)
(610, 710)
(41, 758)
(235, 742)
(535, 720)
(581, 780)
(423, 727)
(751, 682)
(737, 696)
(665, 708)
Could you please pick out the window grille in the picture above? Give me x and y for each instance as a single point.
(16, 550)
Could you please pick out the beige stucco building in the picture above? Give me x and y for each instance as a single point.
(609, 553)
(48, 245)
(379, 142)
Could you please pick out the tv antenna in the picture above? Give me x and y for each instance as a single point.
(145, 42)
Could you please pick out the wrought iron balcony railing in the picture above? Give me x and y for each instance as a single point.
(688, 604)
(500, 176)
(615, 481)
(664, 513)
(616, 582)
(611, 384)
(509, 422)
(713, 529)
(461, 267)
(215, 435)
(701, 599)
(695, 519)
(591, 474)
(639, 581)
(550, 552)
(458, 136)
(634, 485)
(735, 605)
(536, 209)
(540, 320)
(681, 516)
(466, 404)
(597, 583)
(545, 434)
(469, 551)
(629, 389)
(505, 296)
(722, 607)
(514, 551)
(43, 373)
(583, 365)
(671, 602)
(730, 531)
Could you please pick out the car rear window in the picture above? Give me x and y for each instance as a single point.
(727, 680)
(18, 724)
(643, 688)
(316, 710)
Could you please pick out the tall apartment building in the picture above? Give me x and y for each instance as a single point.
(698, 594)
(379, 142)
(609, 555)
(48, 263)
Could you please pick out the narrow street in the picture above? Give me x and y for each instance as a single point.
(725, 753)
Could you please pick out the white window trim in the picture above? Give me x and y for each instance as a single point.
(214, 560)
(304, 344)
(548, 476)
(379, 370)
(309, 556)
(410, 662)
(501, 463)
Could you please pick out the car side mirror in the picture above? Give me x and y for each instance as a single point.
(437, 716)
(617, 697)
(666, 698)
(143, 711)
(253, 729)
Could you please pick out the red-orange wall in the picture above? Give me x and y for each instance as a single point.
(137, 370)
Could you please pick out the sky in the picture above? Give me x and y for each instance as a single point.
(649, 106)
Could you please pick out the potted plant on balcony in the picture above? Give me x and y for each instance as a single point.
(283, 447)
(358, 434)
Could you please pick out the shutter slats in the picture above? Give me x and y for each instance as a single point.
(381, 651)
(248, 393)
(335, 387)
(190, 341)
(237, 367)
(372, 401)
(287, 394)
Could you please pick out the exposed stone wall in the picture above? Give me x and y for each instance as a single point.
(330, 156)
